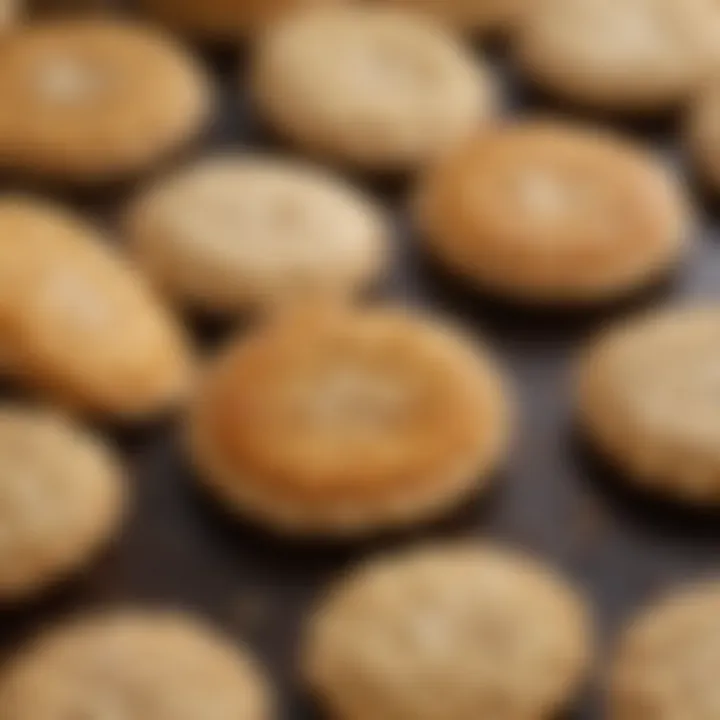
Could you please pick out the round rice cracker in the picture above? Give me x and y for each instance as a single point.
(344, 421)
(553, 213)
(448, 631)
(627, 56)
(376, 89)
(241, 233)
(144, 664)
(90, 100)
(62, 498)
(647, 392)
(78, 324)
(666, 663)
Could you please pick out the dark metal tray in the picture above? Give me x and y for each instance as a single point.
(554, 498)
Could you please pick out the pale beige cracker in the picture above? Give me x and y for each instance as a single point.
(62, 497)
(246, 232)
(667, 661)
(550, 212)
(620, 55)
(96, 99)
(134, 664)
(344, 421)
(78, 322)
(374, 88)
(648, 399)
(454, 631)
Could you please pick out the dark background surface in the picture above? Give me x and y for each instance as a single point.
(554, 497)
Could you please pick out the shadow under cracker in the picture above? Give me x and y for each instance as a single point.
(659, 514)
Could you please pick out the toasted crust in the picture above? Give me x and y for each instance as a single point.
(473, 16)
(224, 19)
(457, 631)
(702, 134)
(61, 499)
(96, 99)
(348, 421)
(247, 232)
(619, 55)
(646, 397)
(666, 665)
(78, 323)
(148, 665)
(9, 13)
(370, 87)
(556, 213)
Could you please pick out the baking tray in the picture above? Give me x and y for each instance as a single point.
(554, 497)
